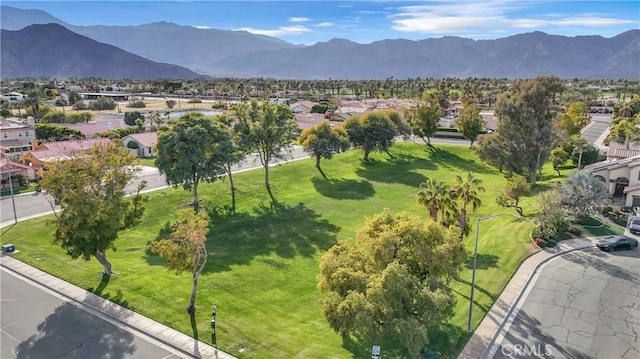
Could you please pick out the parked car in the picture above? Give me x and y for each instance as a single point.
(634, 225)
(613, 243)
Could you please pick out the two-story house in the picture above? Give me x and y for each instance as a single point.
(16, 136)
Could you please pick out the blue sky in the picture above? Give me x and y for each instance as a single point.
(308, 22)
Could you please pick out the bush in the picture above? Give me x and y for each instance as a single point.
(84, 116)
(540, 242)
(137, 104)
(103, 104)
(170, 103)
(219, 106)
(131, 117)
(195, 100)
(132, 145)
(80, 105)
(575, 231)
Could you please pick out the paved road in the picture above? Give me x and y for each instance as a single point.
(36, 204)
(584, 304)
(593, 134)
(35, 323)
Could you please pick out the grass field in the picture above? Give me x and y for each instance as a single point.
(262, 266)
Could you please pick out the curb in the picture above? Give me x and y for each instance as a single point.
(88, 304)
(491, 349)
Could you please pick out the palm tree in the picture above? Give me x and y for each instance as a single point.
(467, 191)
(430, 195)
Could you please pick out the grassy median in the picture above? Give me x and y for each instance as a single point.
(263, 261)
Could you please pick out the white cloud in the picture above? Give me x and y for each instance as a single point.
(298, 19)
(324, 24)
(450, 17)
(281, 31)
(203, 27)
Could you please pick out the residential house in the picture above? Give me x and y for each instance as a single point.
(93, 128)
(16, 136)
(145, 142)
(622, 178)
(54, 151)
(302, 106)
(13, 96)
(15, 172)
(312, 119)
(617, 151)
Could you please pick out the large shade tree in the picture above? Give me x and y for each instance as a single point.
(322, 141)
(390, 281)
(191, 150)
(373, 131)
(90, 188)
(236, 154)
(186, 248)
(423, 117)
(470, 123)
(526, 115)
(267, 128)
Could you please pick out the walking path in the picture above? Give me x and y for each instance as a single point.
(191, 347)
(482, 343)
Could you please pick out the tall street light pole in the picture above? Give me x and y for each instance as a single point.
(475, 258)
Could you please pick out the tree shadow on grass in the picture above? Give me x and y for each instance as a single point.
(343, 188)
(483, 261)
(478, 288)
(448, 159)
(288, 232)
(401, 169)
(448, 340)
(360, 347)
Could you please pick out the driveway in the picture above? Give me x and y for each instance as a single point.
(584, 304)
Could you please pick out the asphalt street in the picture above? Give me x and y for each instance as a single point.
(584, 304)
(37, 323)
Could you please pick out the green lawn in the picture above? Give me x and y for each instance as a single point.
(262, 266)
(147, 161)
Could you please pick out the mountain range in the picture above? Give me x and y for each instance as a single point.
(146, 51)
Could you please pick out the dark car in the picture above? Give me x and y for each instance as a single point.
(634, 225)
(613, 243)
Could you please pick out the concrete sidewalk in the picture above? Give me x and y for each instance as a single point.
(481, 342)
(183, 343)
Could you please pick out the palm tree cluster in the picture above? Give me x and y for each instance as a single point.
(448, 204)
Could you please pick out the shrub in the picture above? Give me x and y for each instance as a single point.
(540, 242)
(170, 103)
(53, 117)
(195, 100)
(575, 231)
(103, 104)
(80, 105)
(132, 145)
(131, 117)
(219, 106)
(137, 104)
(84, 116)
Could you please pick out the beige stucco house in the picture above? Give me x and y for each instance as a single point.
(622, 178)
(146, 142)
